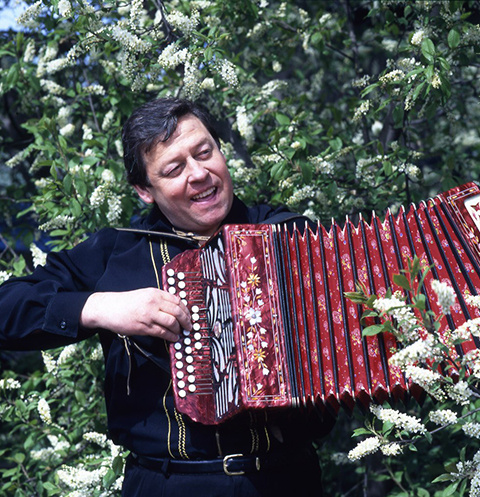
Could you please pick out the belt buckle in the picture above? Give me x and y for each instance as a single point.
(227, 458)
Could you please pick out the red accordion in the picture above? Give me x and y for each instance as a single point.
(272, 326)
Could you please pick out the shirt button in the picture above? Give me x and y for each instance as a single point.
(63, 325)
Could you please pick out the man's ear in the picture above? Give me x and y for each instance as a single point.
(144, 194)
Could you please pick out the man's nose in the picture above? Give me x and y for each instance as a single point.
(196, 170)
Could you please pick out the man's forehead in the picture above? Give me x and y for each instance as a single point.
(190, 132)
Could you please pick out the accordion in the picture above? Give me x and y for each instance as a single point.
(272, 326)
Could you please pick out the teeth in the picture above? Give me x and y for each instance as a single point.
(204, 194)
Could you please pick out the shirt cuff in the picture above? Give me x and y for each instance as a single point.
(63, 313)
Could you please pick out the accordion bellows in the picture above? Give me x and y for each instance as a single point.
(272, 325)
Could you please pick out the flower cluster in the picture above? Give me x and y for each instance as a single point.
(44, 411)
(172, 56)
(363, 448)
(244, 125)
(402, 421)
(401, 312)
(184, 23)
(130, 41)
(445, 295)
(443, 417)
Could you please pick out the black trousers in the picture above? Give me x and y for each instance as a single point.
(295, 481)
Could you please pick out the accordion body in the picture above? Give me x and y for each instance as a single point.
(272, 326)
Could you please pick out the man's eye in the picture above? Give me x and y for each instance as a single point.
(173, 171)
(205, 153)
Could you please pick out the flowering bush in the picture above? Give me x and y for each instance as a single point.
(427, 357)
(332, 108)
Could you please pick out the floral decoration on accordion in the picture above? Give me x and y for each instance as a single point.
(256, 344)
(258, 330)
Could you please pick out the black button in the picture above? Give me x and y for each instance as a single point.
(63, 325)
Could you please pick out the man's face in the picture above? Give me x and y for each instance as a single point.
(189, 179)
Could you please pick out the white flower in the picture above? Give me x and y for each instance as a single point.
(27, 18)
(129, 40)
(402, 421)
(365, 447)
(472, 429)
(171, 56)
(276, 66)
(445, 295)
(114, 208)
(66, 353)
(97, 438)
(417, 37)
(377, 127)
(49, 361)
(227, 72)
(44, 411)
(108, 120)
(65, 8)
(443, 417)
(108, 176)
(4, 276)
(254, 316)
(39, 257)
(361, 110)
(417, 351)
(9, 384)
(400, 311)
(391, 449)
(460, 393)
(67, 130)
(244, 125)
(184, 23)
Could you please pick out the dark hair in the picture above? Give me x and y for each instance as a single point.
(151, 124)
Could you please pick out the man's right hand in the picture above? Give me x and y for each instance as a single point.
(146, 311)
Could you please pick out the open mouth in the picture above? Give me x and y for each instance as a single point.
(207, 193)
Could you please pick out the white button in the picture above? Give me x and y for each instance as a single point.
(171, 281)
(187, 341)
(186, 333)
(190, 368)
(198, 345)
(195, 308)
(191, 378)
(182, 393)
(177, 345)
(179, 364)
(181, 285)
(180, 374)
(189, 359)
(181, 384)
(196, 326)
(195, 317)
(188, 350)
(197, 336)
(170, 272)
(192, 388)
(172, 290)
(183, 294)
(178, 355)
(181, 276)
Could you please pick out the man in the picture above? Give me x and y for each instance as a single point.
(109, 285)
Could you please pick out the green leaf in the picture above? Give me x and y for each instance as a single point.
(282, 119)
(453, 38)
(402, 281)
(428, 50)
(372, 330)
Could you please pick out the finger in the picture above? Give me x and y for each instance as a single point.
(174, 306)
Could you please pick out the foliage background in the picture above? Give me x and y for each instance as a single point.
(334, 108)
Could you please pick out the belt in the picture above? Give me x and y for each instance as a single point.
(231, 465)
